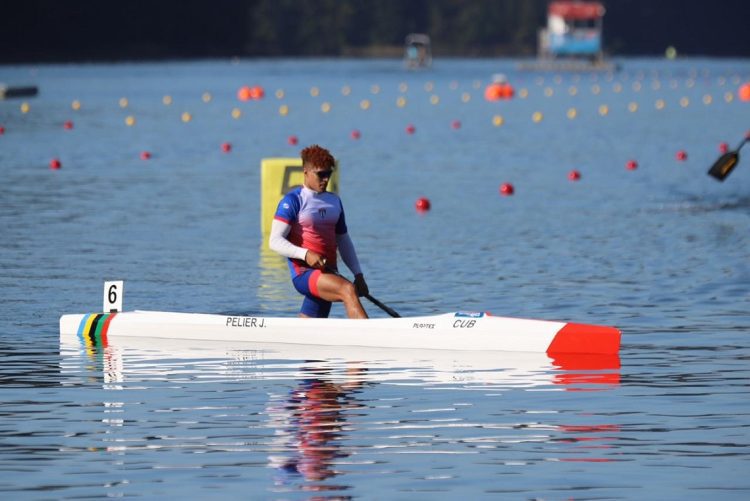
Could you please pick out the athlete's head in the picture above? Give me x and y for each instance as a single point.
(317, 165)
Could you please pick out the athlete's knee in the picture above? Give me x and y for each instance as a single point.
(348, 292)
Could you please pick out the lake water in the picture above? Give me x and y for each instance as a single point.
(662, 252)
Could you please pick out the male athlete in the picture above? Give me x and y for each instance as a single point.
(308, 227)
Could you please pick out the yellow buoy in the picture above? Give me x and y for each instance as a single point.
(365, 104)
(25, 107)
(76, 105)
(684, 102)
(465, 97)
(728, 97)
(660, 104)
(346, 90)
(498, 120)
(707, 99)
(632, 107)
(401, 101)
(186, 117)
(283, 110)
(314, 92)
(236, 113)
(123, 102)
(166, 100)
(279, 93)
(548, 92)
(434, 99)
(603, 110)
(325, 107)
(206, 97)
(523, 93)
(130, 120)
(537, 116)
(572, 113)
(670, 53)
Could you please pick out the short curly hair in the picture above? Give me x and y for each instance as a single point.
(318, 156)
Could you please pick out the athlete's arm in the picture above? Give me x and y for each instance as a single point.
(278, 242)
(348, 254)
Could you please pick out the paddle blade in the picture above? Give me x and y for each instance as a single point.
(724, 165)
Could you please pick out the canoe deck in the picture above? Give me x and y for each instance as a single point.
(462, 331)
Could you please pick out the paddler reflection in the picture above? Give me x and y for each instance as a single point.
(310, 425)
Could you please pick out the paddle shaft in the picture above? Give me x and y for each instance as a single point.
(374, 301)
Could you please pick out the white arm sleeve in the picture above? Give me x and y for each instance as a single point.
(348, 254)
(278, 242)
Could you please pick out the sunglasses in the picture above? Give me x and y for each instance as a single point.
(323, 174)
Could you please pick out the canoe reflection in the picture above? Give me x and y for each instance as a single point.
(310, 423)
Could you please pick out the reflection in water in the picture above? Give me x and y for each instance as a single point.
(310, 426)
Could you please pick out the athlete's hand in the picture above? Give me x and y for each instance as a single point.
(315, 260)
(361, 285)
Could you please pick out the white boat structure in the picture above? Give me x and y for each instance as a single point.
(458, 331)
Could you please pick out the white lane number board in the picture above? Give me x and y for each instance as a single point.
(113, 296)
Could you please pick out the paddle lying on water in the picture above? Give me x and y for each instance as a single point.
(727, 162)
(374, 301)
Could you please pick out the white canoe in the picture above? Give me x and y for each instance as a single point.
(466, 331)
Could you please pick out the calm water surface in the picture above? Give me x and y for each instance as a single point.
(662, 252)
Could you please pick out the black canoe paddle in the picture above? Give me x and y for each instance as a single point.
(374, 301)
(727, 162)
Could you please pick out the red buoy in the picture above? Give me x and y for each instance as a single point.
(145, 155)
(355, 134)
(55, 164)
(257, 92)
(631, 165)
(723, 147)
(410, 129)
(226, 147)
(574, 175)
(456, 124)
(681, 155)
(506, 189)
(292, 140)
(423, 204)
(68, 125)
(2, 130)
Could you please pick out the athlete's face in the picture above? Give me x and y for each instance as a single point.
(316, 178)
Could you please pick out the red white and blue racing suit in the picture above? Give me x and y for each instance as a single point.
(308, 220)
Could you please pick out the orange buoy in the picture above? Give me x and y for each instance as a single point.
(744, 92)
(422, 204)
(55, 164)
(257, 92)
(506, 189)
(497, 91)
(244, 94)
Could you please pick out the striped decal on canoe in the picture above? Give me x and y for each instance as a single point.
(92, 330)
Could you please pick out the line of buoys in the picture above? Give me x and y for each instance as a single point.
(247, 93)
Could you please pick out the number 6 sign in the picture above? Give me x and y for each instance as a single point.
(113, 296)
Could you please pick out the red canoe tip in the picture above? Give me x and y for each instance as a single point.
(582, 338)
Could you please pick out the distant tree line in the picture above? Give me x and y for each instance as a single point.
(59, 30)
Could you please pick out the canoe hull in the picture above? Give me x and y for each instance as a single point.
(450, 331)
